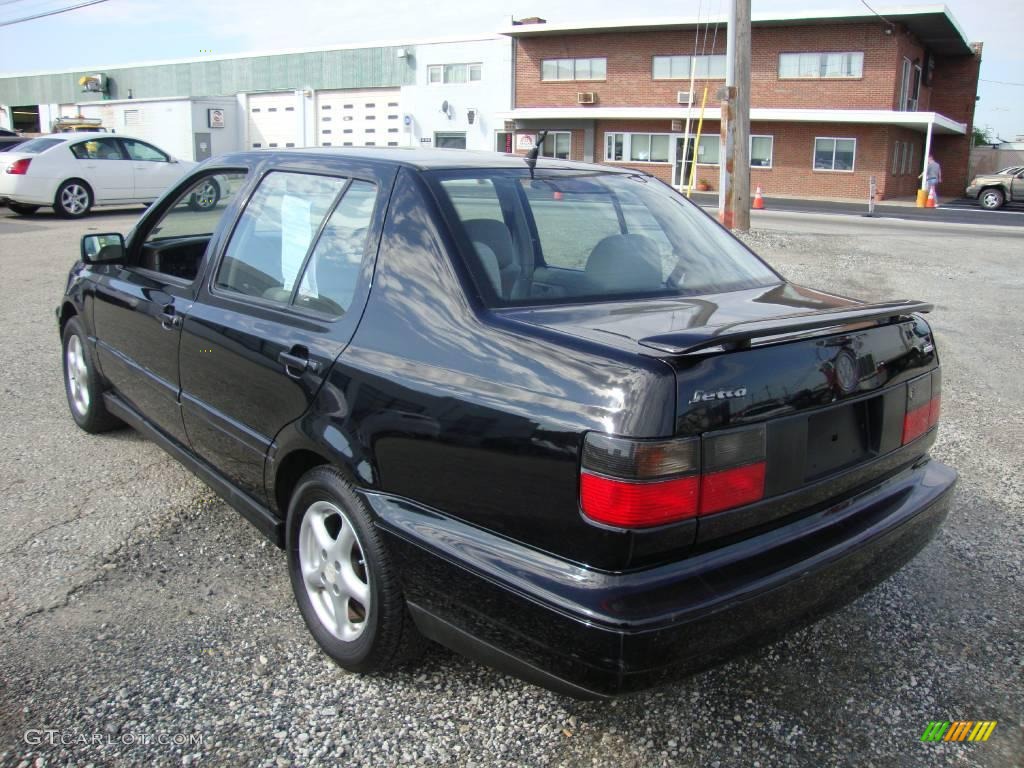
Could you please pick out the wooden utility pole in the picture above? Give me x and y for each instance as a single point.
(734, 172)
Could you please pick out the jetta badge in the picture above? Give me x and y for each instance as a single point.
(700, 396)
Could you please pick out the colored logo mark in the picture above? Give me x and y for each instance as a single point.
(959, 730)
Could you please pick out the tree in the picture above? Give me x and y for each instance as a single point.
(980, 137)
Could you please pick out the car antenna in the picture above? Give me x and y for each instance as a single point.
(531, 156)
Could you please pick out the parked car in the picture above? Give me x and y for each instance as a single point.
(993, 190)
(73, 172)
(549, 414)
(10, 139)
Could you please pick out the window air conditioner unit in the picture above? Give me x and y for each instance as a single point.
(684, 97)
(586, 98)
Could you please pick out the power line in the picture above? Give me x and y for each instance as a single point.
(998, 82)
(50, 13)
(865, 4)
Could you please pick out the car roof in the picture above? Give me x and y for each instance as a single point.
(420, 159)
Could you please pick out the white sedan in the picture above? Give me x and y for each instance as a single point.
(73, 172)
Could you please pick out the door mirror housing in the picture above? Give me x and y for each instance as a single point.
(103, 249)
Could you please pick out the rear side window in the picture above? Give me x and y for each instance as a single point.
(299, 241)
(596, 236)
(329, 281)
(35, 146)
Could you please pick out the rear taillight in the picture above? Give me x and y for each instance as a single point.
(924, 400)
(639, 483)
(19, 167)
(644, 483)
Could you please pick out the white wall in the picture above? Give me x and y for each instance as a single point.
(222, 140)
(489, 96)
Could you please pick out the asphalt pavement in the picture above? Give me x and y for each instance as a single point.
(954, 211)
(144, 623)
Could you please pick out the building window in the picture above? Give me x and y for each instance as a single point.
(574, 69)
(325, 106)
(709, 150)
(392, 143)
(709, 67)
(761, 151)
(503, 142)
(392, 103)
(453, 73)
(648, 147)
(897, 159)
(821, 65)
(557, 145)
(613, 146)
(450, 140)
(392, 130)
(834, 154)
(908, 159)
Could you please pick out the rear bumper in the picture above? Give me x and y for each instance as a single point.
(588, 633)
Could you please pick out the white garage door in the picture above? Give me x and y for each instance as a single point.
(273, 121)
(358, 118)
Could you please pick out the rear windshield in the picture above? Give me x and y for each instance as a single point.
(35, 146)
(569, 237)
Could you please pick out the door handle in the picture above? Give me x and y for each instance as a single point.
(295, 362)
(169, 320)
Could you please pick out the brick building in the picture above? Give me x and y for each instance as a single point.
(835, 98)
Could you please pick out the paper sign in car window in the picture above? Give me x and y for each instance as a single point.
(296, 232)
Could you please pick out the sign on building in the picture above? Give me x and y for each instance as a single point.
(215, 118)
(525, 141)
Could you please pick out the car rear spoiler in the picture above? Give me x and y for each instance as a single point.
(738, 335)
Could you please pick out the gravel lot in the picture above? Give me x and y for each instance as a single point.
(137, 611)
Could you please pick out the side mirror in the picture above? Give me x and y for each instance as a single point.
(103, 249)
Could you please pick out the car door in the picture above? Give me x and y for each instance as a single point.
(1017, 187)
(103, 163)
(153, 169)
(139, 305)
(279, 307)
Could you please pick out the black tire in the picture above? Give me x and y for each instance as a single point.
(386, 634)
(206, 197)
(992, 198)
(83, 388)
(73, 199)
(23, 209)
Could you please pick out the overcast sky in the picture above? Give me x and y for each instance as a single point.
(125, 31)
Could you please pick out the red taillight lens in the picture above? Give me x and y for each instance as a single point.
(638, 505)
(916, 422)
(644, 483)
(19, 167)
(924, 402)
(731, 488)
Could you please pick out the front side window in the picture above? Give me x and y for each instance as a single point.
(705, 67)
(144, 152)
(598, 237)
(268, 247)
(834, 154)
(98, 149)
(198, 209)
(821, 65)
(574, 69)
(176, 243)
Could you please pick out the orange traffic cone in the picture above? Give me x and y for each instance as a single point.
(758, 200)
(932, 201)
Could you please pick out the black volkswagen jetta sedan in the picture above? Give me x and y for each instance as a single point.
(548, 414)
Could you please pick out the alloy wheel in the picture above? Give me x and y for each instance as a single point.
(77, 376)
(334, 571)
(74, 199)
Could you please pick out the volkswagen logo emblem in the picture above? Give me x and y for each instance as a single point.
(847, 378)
